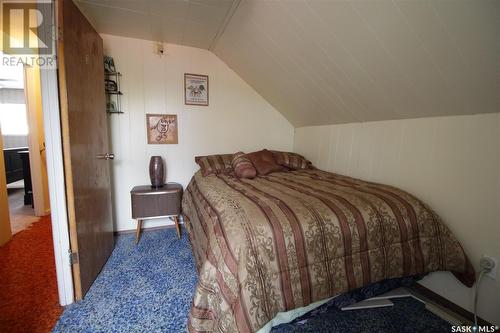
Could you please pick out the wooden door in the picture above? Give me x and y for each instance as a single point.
(85, 143)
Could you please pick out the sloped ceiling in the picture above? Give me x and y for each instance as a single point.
(326, 61)
(187, 22)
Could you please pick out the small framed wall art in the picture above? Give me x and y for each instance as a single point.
(162, 128)
(195, 89)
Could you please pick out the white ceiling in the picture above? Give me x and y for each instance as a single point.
(330, 61)
(187, 22)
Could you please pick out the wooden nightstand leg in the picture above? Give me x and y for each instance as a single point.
(177, 226)
(138, 232)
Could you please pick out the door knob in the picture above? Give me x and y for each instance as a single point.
(107, 156)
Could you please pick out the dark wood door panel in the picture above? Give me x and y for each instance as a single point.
(84, 125)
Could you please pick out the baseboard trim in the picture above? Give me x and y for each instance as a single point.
(132, 231)
(446, 304)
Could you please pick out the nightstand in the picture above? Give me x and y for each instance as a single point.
(156, 202)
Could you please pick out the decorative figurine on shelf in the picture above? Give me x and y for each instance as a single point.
(156, 171)
(111, 86)
(109, 65)
(111, 106)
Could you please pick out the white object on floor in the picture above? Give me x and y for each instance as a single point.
(288, 316)
(398, 293)
(18, 184)
(382, 300)
(368, 304)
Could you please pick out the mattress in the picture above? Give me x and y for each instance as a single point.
(283, 241)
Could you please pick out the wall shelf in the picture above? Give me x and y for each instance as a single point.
(113, 92)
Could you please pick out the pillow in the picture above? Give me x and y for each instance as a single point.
(264, 162)
(214, 164)
(293, 161)
(243, 167)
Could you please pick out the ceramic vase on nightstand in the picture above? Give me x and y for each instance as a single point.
(156, 171)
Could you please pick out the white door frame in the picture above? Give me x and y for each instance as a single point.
(57, 189)
(55, 173)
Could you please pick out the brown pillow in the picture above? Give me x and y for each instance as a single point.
(264, 162)
(214, 164)
(292, 161)
(242, 166)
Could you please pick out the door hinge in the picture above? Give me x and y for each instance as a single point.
(59, 34)
(73, 257)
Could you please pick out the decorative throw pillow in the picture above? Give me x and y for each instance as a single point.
(292, 161)
(242, 166)
(264, 162)
(214, 164)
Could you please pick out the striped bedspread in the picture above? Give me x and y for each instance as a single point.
(285, 240)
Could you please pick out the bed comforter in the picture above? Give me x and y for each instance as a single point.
(285, 240)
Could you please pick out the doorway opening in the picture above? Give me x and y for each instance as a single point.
(15, 137)
(29, 297)
(23, 148)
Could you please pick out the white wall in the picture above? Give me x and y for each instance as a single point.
(15, 141)
(36, 141)
(452, 163)
(11, 95)
(237, 118)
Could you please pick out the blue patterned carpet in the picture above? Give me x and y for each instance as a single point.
(149, 288)
(143, 288)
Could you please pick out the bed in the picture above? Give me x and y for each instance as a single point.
(287, 239)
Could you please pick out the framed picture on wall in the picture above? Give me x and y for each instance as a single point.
(162, 128)
(195, 89)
